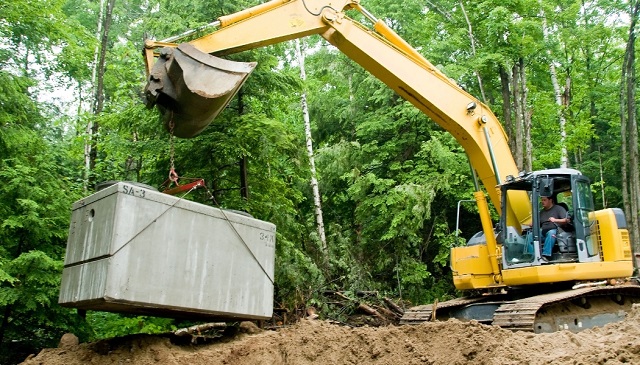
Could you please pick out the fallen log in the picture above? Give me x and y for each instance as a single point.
(393, 306)
(199, 328)
(387, 313)
(368, 310)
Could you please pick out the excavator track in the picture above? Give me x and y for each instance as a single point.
(424, 313)
(572, 310)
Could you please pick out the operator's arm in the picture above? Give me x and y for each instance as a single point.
(559, 220)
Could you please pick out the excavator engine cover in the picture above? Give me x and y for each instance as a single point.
(191, 87)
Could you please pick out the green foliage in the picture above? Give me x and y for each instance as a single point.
(396, 167)
(415, 272)
(16, 107)
(28, 296)
(298, 279)
(34, 218)
(108, 325)
(37, 190)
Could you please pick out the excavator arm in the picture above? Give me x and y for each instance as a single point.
(379, 50)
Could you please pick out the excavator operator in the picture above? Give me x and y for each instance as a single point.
(551, 216)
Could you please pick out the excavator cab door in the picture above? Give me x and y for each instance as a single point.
(191, 87)
(584, 221)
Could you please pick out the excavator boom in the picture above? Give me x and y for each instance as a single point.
(379, 50)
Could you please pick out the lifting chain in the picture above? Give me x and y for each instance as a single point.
(173, 175)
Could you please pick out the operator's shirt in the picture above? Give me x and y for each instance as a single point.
(555, 211)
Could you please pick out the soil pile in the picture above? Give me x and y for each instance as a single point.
(322, 342)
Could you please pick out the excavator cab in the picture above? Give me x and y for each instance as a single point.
(190, 87)
(568, 189)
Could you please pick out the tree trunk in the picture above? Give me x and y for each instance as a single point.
(99, 93)
(526, 118)
(505, 83)
(244, 183)
(89, 128)
(566, 102)
(243, 161)
(632, 125)
(604, 198)
(312, 165)
(473, 50)
(626, 201)
(519, 133)
(561, 119)
(558, 97)
(629, 130)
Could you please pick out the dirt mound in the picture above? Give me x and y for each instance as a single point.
(313, 342)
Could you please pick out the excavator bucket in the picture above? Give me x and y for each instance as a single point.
(190, 87)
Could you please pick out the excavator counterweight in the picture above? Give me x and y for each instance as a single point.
(190, 87)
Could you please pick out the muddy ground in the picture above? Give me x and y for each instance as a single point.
(322, 342)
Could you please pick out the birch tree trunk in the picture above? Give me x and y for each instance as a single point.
(557, 92)
(473, 50)
(314, 181)
(561, 119)
(526, 118)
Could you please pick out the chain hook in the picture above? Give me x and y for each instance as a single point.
(173, 176)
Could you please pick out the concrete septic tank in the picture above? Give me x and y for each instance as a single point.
(135, 250)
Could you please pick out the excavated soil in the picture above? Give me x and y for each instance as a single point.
(320, 342)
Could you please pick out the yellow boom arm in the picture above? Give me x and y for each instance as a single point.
(388, 57)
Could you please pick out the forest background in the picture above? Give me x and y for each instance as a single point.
(559, 74)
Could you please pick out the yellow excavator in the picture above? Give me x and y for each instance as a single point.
(586, 280)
